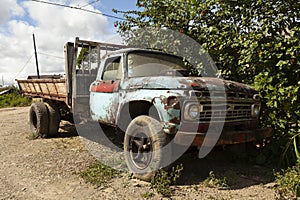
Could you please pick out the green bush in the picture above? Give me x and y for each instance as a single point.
(14, 99)
(288, 182)
(279, 84)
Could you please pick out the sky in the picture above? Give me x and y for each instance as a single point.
(53, 26)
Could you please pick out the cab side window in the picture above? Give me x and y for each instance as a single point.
(113, 69)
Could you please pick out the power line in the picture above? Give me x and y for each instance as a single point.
(45, 54)
(23, 67)
(79, 8)
(90, 3)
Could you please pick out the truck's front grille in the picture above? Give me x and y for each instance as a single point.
(230, 111)
(224, 106)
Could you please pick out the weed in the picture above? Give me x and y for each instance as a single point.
(288, 182)
(130, 176)
(161, 183)
(162, 180)
(213, 181)
(147, 195)
(99, 174)
(31, 136)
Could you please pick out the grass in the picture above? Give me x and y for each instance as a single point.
(14, 99)
(99, 174)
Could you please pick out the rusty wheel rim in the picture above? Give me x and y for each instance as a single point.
(140, 150)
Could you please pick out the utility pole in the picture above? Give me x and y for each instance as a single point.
(36, 59)
(2, 81)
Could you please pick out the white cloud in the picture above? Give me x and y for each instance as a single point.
(53, 26)
(8, 9)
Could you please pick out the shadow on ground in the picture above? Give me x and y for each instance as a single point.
(231, 161)
(66, 129)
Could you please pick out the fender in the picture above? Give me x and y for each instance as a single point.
(166, 103)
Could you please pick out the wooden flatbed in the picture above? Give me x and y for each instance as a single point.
(53, 89)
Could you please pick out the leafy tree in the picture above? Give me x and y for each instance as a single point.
(251, 41)
(86, 57)
(81, 57)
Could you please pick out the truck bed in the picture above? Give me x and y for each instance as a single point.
(54, 89)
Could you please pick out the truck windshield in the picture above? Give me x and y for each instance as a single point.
(157, 64)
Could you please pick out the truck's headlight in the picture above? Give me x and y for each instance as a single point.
(257, 97)
(192, 111)
(255, 110)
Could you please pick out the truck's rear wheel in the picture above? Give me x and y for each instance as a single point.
(38, 119)
(145, 147)
(54, 118)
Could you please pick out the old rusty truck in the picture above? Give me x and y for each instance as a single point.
(154, 97)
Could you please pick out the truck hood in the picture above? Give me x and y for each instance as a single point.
(185, 83)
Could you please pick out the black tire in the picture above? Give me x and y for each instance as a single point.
(54, 118)
(38, 119)
(145, 147)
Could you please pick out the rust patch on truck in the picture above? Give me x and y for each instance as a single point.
(105, 86)
(227, 137)
(171, 111)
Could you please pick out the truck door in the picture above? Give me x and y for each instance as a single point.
(104, 91)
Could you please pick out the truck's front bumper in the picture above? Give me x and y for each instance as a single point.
(226, 137)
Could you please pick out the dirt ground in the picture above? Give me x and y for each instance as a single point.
(49, 169)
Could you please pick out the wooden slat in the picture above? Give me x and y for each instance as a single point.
(44, 88)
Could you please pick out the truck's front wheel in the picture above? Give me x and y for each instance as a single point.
(145, 147)
(38, 119)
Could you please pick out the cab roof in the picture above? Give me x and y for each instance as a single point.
(128, 50)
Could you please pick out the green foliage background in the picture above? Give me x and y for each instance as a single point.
(13, 99)
(252, 41)
(288, 184)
